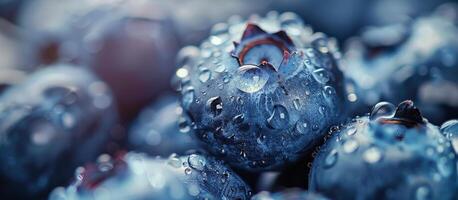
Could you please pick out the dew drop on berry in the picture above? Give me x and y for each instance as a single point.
(329, 91)
(204, 75)
(321, 75)
(302, 126)
(188, 97)
(187, 170)
(372, 155)
(250, 78)
(197, 161)
(350, 146)
(331, 159)
(423, 192)
(183, 125)
(220, 68)
(297, 104)
(215, 105)
(351, 131)
(450, 130)
(279, 118)
(382, 109)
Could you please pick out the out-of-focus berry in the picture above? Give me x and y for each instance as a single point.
(416, 60)
(131, 176)
(392, 154)
(160, 129)
(54, 121)
(290, 194)
(135, 176)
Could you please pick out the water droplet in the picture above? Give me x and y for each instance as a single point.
(450, 130)
(382, 109)
(182, 73)
(321, 75)
(188, 97)
(423, 193)
(183, 125)
(197, 161)
(331, 159)
(220, 68)
(215, 105)
(174, 161)
(322, 110)
(329, 91)
(372, 155)
(68, 120)
(445, 166)
(297, 104)
(279, 118)
(350, 146)
(239, 118)
(204, 75)
(351, 131)
(187, 170)
(250, 78)
(193, 189)
(104, 163)
(302, 126)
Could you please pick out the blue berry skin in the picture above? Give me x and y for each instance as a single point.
(131, 176)
(450, 130)
(392, 154)
(135, 176)
(416, 60)
(261, 92)
(52, 122)
(160, 129)
(290, 194)
(208, 178)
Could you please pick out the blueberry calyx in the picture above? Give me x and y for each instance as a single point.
(406, 114)
(254, 37)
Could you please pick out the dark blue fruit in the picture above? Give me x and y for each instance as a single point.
(290, 194)
(51, 123)
(208, 178)
(416, 60)
(392, 154)
(261, 92)
(131, 176)
(135, 176)
(161, 130)
(130, 45)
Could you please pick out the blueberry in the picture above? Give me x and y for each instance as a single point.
(132, 51)
(52, 122)
(392, 154)
(415, 60)
(124, 45)
(130, 176)
(208, 178)
(135, 176)
(260, 92)
(290, 194)
(161, 130)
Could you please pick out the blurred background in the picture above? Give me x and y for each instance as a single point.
(134, 48)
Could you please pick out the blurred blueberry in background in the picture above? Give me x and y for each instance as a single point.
(126, 176)
(54, 121)
(415, 60)
(290, 194)
(160, 129)
(136, 176)
(392, 154)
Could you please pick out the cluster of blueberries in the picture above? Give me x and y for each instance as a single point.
(265, 108)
